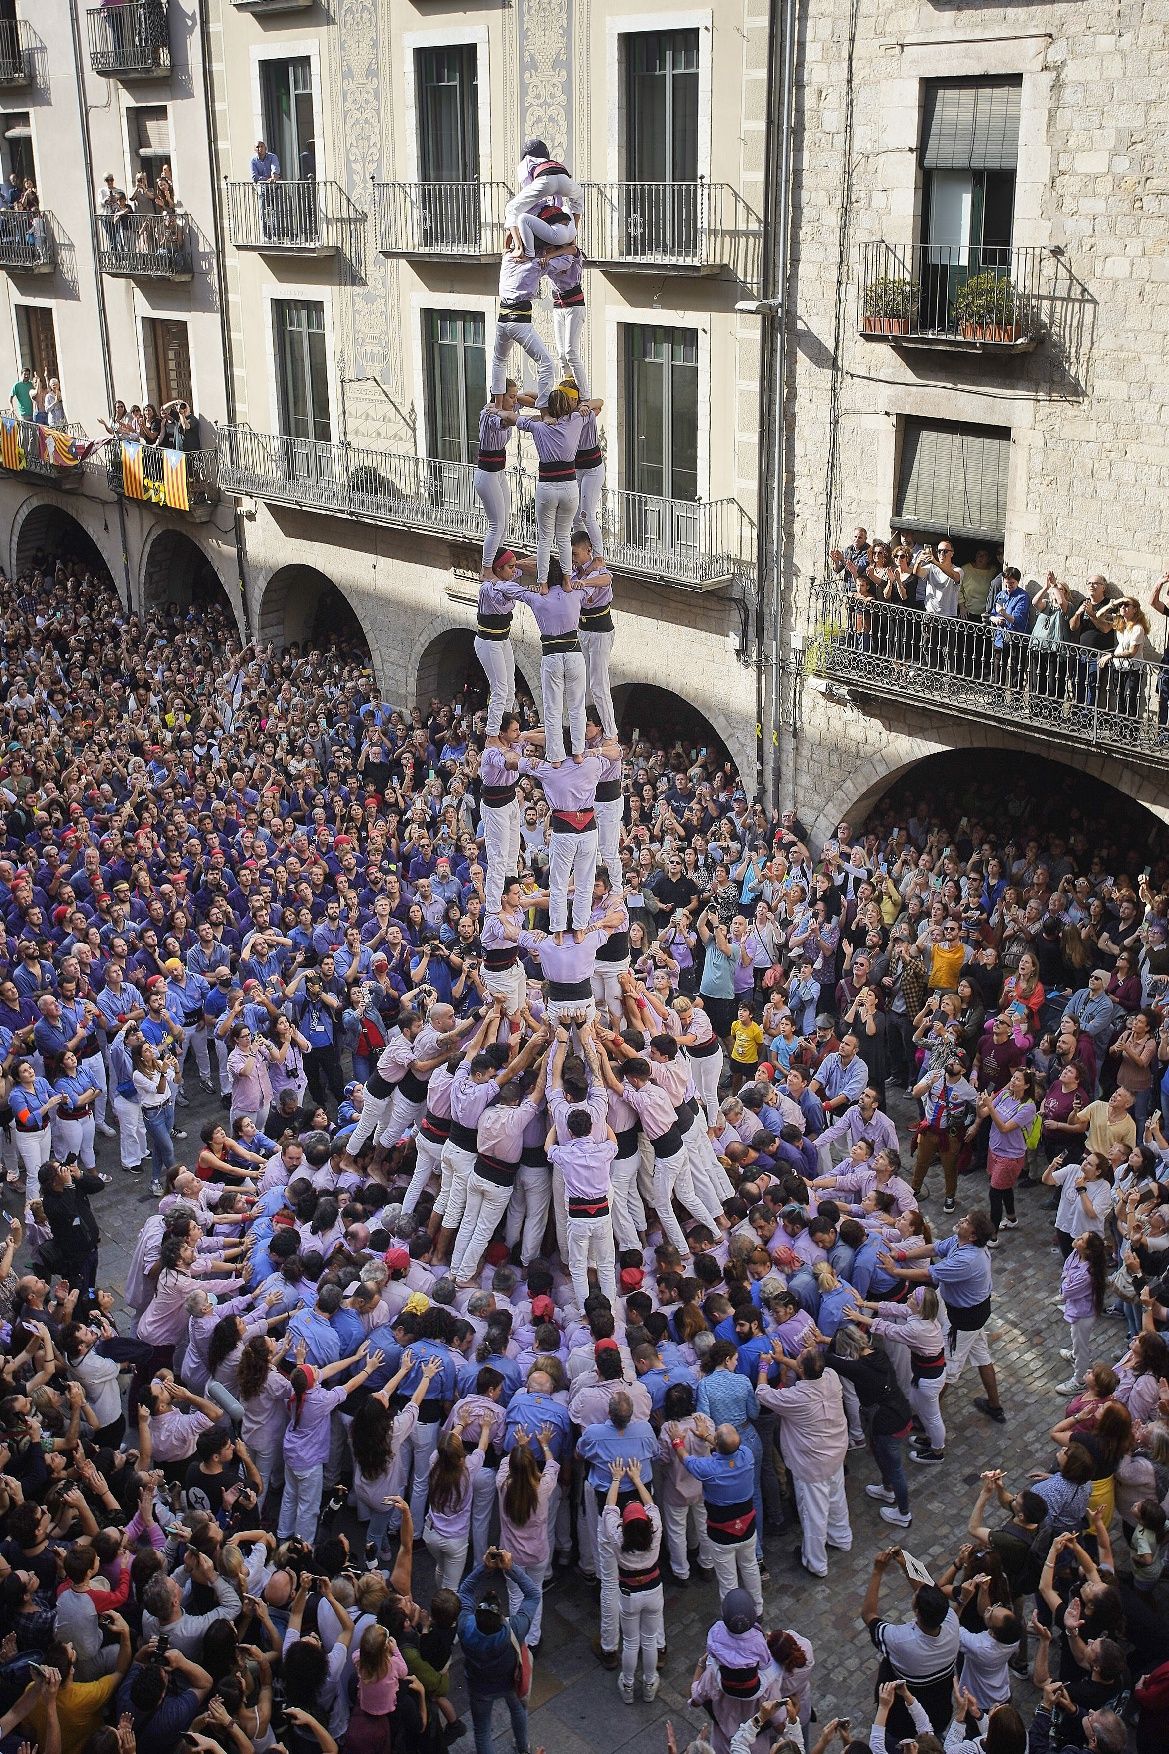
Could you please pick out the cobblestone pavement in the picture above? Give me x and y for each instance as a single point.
(576, 1707)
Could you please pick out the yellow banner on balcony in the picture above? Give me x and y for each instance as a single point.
(11, 444)
(155, 475)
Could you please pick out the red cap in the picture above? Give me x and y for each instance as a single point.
(397, 1260)
(497, 1254)
(605, 1346)
(635, 1513)
(543, 1309)
(631, 1278)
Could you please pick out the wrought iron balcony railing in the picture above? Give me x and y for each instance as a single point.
(180, 481)
(307, 218)
(16, 52)
(146, 246)
(685, 228)
(130, 38)
(28, 241)
(28, 448)
(440, 219)
(956, 295)
(1062, 692)
(697, 545)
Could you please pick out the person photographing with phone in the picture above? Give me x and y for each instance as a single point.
(492, 1630)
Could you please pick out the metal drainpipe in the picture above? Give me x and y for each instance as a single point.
(781, 604)
(99, 284)
(221, 275)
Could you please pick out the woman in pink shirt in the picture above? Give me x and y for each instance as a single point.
(447, 1529)
(525, 1491)
(165, 1319)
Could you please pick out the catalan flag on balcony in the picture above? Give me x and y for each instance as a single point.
(61, 448)
(11, 443)
(155, 475)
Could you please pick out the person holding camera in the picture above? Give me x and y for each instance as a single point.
(492, 1641)
(155, 1079)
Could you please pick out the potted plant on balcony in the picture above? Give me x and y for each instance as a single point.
(990, 307)
(889, 305)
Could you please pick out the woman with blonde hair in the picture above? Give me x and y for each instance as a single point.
(1131, 626)
(380, 1671)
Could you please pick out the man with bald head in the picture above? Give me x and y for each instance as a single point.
(728, 1494)
(623, 1438)
(440, 1036)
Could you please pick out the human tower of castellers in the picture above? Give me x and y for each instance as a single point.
(482, 1152)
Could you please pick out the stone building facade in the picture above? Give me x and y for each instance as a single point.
(334, 339)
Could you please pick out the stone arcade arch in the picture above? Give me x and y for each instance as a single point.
(176, 571)
(449, 669)
(971, 766)
(45, 530)
(661, 715)
(302, 606)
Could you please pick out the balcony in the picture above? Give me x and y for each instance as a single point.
(42, 453)
(678, 228)
(177, 481)
(16, 53)
(891, 653)
(956, 296)
(272, 5)
(145, 246)
(28, 242)
(697, 546)
(296, 219)
(459, 221)
(130, 40)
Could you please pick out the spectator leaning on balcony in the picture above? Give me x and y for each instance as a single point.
(265, 165)
(1009, 613)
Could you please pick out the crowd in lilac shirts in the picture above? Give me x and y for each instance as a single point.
(508, 1269)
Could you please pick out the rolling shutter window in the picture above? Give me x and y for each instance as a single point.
(954, 478)
(971, 125)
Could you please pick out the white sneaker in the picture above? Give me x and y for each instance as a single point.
(1069, 1387)
(895, 1516)
(625, 1689)
(1010, 1223)
(649, 1690)
(106, 1131)
(881, 1493)
(1066, 1352)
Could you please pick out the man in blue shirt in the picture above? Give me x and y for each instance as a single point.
(623, 1438)
(841, 1077)
(959, 1266)
(315, 1328)
(728, 1492)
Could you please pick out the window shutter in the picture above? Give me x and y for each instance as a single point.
(954, 478)
(153, 130)
(971, 125)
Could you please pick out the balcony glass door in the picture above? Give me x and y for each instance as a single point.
(969, 157)
(661, 145)
(303, 387)
(661, 436)
(456, 386)
(289, 211)
(447, 83)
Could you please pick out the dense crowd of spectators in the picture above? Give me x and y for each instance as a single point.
(981, 620)
(246, 871)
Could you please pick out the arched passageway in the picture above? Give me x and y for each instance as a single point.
(980, 795)
(177, 576)
(49, 533)
(657, 716)
(302, 607)
(448, 670)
